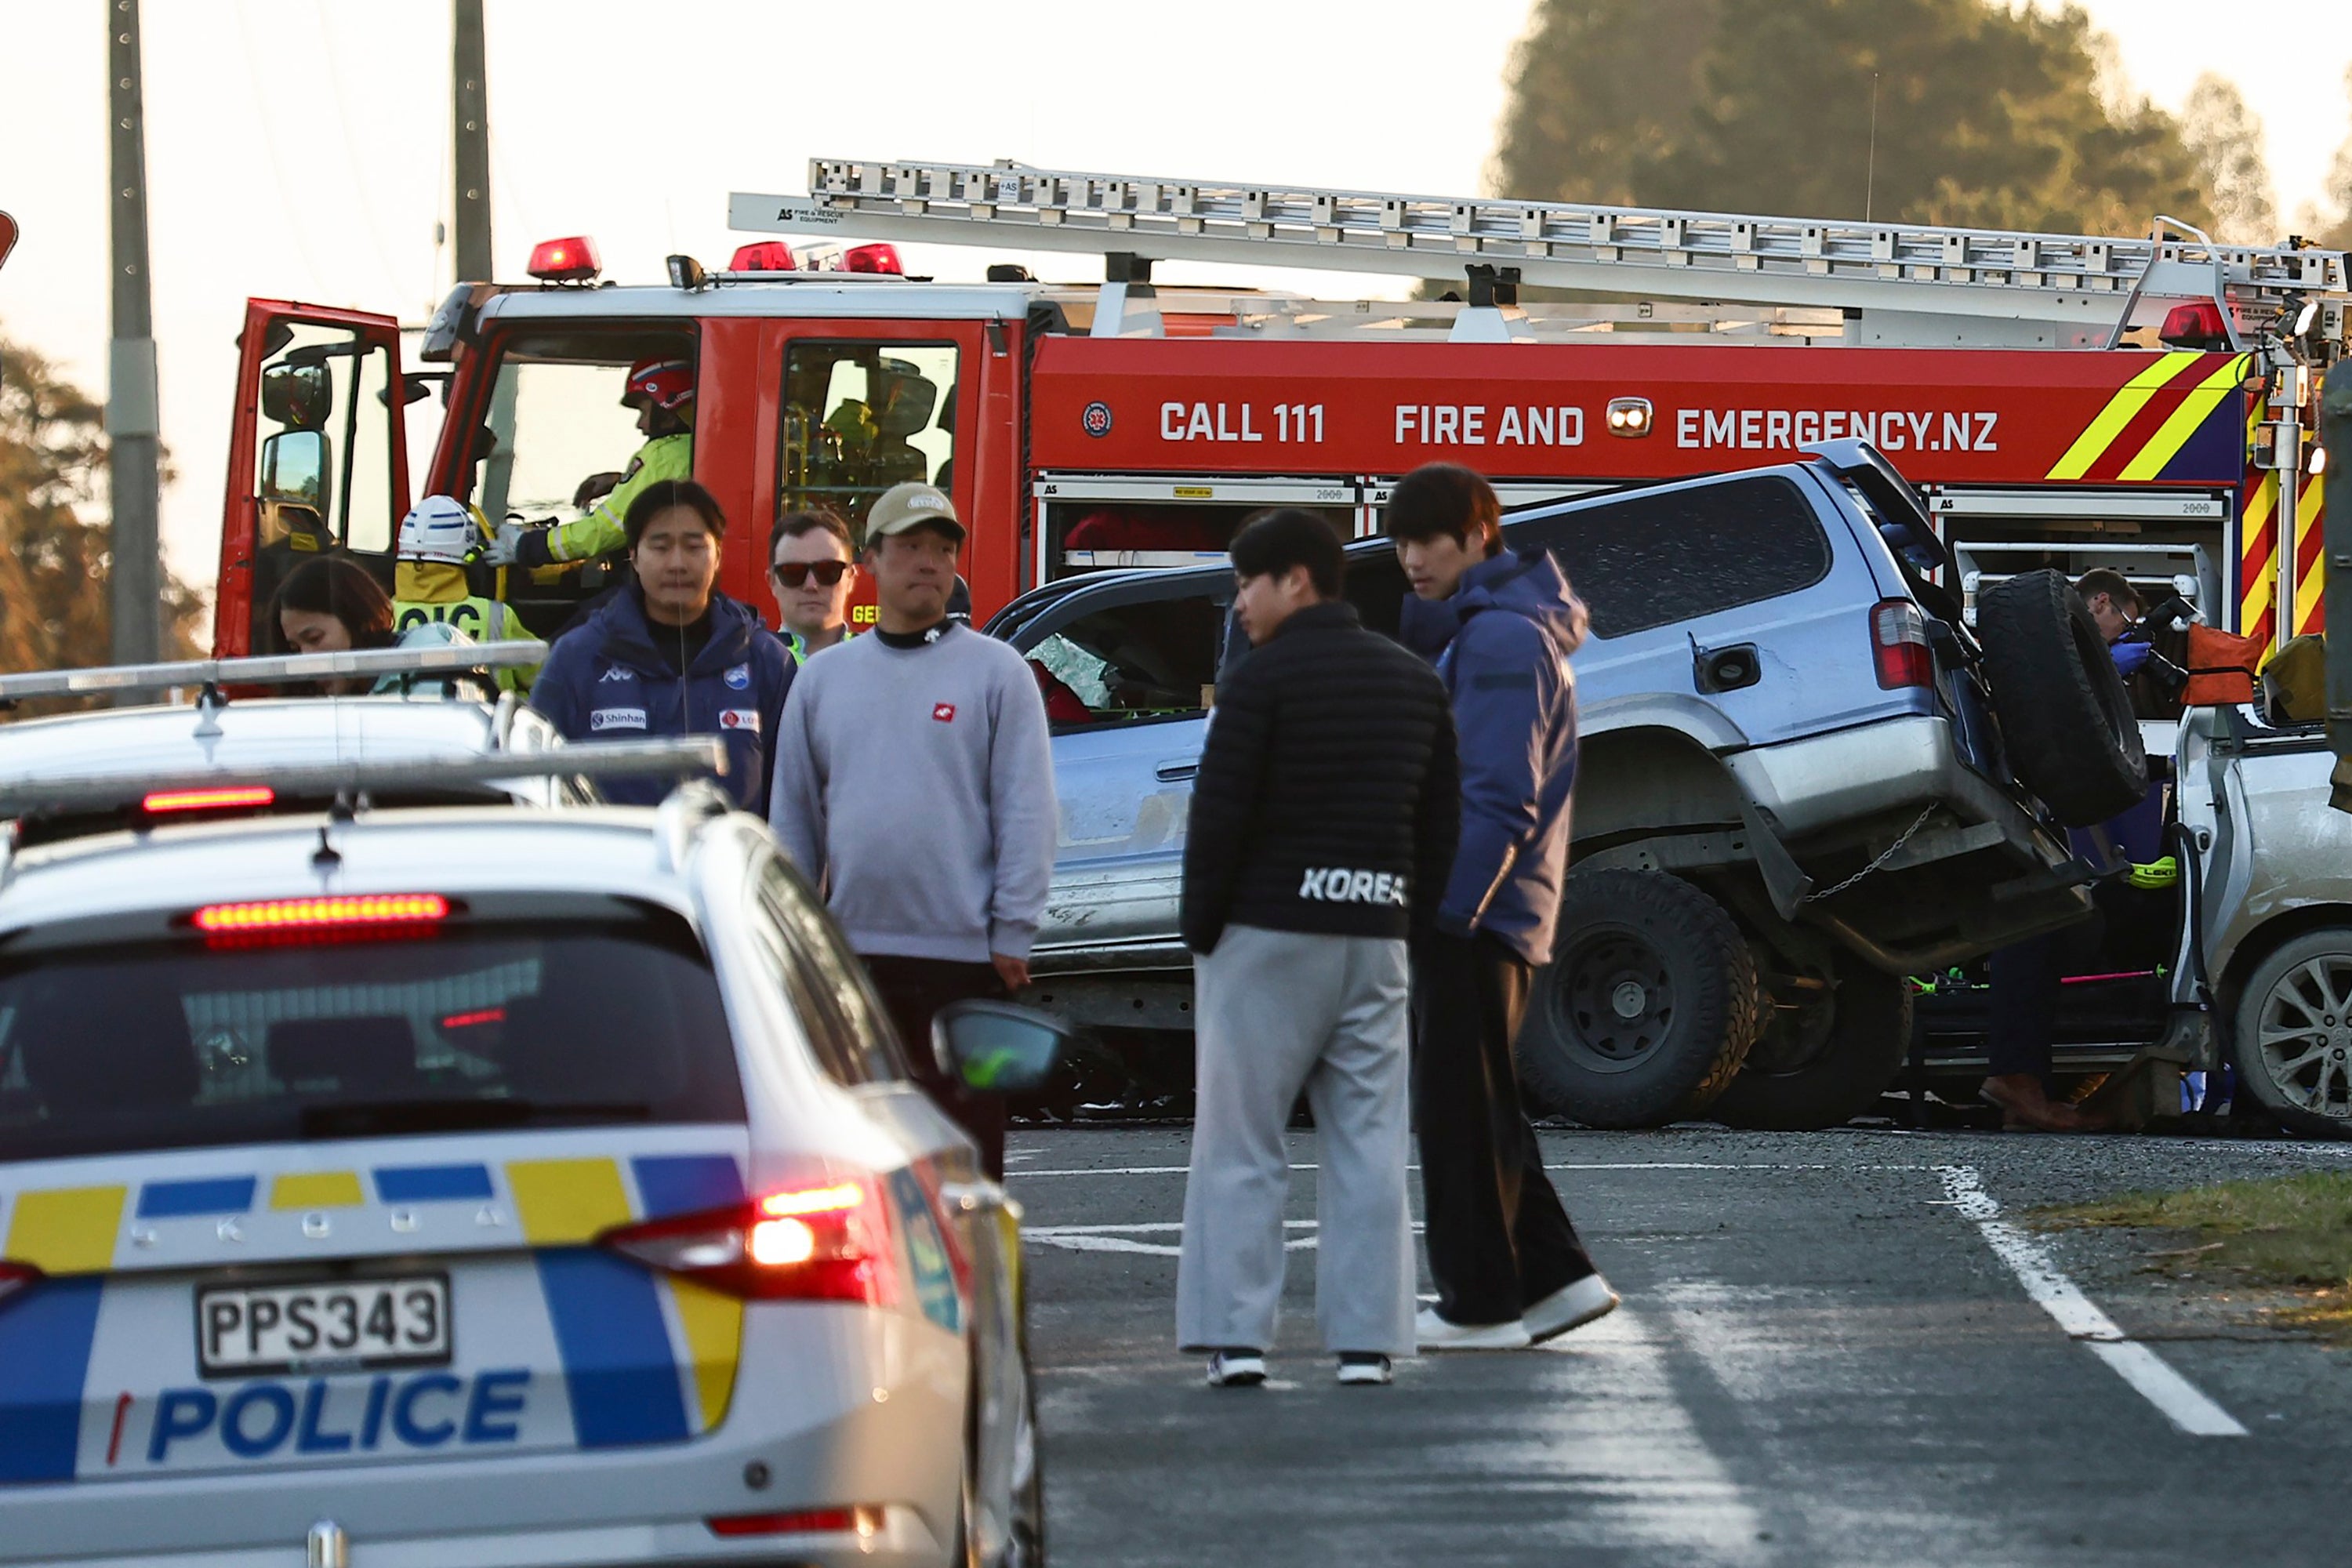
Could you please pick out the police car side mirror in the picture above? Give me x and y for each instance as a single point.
(997, 1047)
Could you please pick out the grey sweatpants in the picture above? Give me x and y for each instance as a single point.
(1275, 1011)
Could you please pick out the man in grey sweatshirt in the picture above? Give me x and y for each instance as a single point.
(914, 785)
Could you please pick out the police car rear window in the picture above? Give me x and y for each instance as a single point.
(472, 1028)
(1650, 560)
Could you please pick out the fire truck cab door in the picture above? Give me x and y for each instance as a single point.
(317, 457)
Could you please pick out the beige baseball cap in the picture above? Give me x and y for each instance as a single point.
(912, 505)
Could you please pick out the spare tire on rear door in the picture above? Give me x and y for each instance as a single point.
(1646, 1008)
(2064, 716)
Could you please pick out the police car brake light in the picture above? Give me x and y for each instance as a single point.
(864, 1519)
(314, 914)
(824, 1243)
(1898, 644)
(569, 260)
(16, 1278)
(236, 797)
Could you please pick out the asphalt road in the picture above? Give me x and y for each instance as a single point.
(1831, 1352)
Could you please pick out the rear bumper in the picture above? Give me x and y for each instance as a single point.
(1978, 873)
(842, 1405)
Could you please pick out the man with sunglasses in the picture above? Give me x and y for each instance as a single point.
(812, 571)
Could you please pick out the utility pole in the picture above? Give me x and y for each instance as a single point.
(469, 100)
(136, 577)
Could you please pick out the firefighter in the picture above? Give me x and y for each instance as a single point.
(661, 389)
(440, 539)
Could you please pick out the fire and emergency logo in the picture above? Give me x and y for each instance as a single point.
(1096, 420)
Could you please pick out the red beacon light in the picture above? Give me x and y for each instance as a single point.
(763, 256)
(569, 260)
(882, 258)
(2196, 325)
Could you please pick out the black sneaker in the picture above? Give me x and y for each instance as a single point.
(1366, 1367)
(1236, 1366)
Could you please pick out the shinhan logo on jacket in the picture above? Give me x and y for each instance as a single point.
(1338, 885)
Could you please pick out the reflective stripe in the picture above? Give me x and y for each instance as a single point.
(318, 1190)
(69, 1231)
(712, 1323)
(618, 1363)
(178, 1200)
(2185, 420)
(432, 1184)
(46, 1338)
(45, 1344)
(2121, 409)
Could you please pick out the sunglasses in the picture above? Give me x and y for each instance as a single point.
(796, 574)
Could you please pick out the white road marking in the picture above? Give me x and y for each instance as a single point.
(2182, 1402)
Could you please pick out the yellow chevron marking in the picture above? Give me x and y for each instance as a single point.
(714, 1344)
(2121, 409)
(2255, 593)
(2174, 433)
(317, 1190)
(2311, 585)
(563, 1203)
(69, 1231)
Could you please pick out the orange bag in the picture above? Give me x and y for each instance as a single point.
(2220, 667)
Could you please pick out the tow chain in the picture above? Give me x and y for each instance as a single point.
(1874, 864)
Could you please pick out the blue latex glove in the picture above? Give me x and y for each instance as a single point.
(2129, 655)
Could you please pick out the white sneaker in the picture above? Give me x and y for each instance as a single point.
(1236, 1369)
(1570, 1307)
(1432, 1333)
(1364, 1368)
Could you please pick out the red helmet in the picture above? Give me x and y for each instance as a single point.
(663, 382)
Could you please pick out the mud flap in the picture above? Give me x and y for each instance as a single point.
(1784, 880)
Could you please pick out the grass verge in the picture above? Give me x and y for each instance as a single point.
(2293, 1233)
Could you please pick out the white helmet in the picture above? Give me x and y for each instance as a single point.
(440, 528)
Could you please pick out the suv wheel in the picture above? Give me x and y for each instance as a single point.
(2066, 720)
(2293, 1047)
(1825, 1059)
(1647, 1007)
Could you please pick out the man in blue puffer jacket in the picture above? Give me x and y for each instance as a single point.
(1509, 1268)
(669, 655)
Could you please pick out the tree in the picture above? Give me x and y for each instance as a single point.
(53, 561)
(1984, 116)
(2222, 134)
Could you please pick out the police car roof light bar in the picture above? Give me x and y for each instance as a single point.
(1651, 251)
(681, 757)
(272, 670)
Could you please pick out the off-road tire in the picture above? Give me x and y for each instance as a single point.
(1693, 984)
(1868, 1040)
(2064, 716)
(2289, 966)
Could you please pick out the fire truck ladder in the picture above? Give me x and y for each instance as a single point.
(1913, 283)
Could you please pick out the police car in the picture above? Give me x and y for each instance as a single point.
(422, 704)
(486, 1185)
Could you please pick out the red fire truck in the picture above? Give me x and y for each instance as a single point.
(2061, 400)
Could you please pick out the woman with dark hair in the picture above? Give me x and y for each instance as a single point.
(333, 604)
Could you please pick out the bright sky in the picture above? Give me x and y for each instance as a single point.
(300, 148)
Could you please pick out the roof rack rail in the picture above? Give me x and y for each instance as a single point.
(684, 756)
(271, 669)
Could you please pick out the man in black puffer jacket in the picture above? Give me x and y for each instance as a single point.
(1323, 825)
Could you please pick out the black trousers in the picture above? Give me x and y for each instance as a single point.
(1499, 1238)
(912, 990)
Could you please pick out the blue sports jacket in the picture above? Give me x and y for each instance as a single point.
(1501, 645)
(603, 680)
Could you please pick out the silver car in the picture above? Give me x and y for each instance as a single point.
(494, 1185)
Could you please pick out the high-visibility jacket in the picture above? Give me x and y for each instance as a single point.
(585, 537)
(428, 592)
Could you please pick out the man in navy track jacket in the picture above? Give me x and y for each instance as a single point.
(668, 655)
(1509, 1268)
